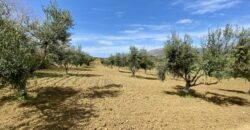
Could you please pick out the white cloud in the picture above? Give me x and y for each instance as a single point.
(184, 21)
(207, 6)
(155, 27)
(104, 45)
(176, 2)
(104, 42)
(132, 31)
(107, 39)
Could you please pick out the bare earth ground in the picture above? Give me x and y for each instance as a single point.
(98, 97)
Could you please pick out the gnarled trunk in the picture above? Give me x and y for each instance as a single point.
(44, 55)
(22, 91)
(133, 71)
(187, 87)
(66, 68)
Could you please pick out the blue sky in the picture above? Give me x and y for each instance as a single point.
(103, 27)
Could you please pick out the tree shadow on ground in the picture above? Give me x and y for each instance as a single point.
(122, 71)
(215, 98)
(84, 75)
(66, 108)
(60, 108)
(89, 67)
(207, 84)
(81, 69)
(6, 99)
(150, 74)
(233, 91)
(148, 78)
(46, 74)
(54, 75)
(110, 90)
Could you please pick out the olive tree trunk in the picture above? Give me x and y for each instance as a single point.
(187, 87)
(66, 68)
(133, 71)
(22, 91)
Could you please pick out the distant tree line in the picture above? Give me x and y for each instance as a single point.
(134, 60)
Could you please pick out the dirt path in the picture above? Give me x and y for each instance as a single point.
(98, 97)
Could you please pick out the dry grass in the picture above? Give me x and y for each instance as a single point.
(98, 97)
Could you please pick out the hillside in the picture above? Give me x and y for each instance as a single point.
(156, 52)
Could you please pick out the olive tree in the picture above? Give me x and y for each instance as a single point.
(145, 61)
(216, 51)
(65, 55)
(133, 59)
(54, 31)
(181, 60)
(124, 60)
(162, 70)
(241, 55)
(118, 60)
(79, 57)
(111, 61)
(15, 56)
(18, 52)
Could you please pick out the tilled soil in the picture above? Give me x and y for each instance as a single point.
(101, 98)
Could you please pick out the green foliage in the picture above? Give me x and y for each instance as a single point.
(117, 59)
(16, 55)
(241, 65)
(182, 60)
(145, 60)
(133, 59)
(65, 56)
(161, 70)
(216, 49)
(54, 32)
(21, 42)
(124, 60)
(79, 57)
(111, 61)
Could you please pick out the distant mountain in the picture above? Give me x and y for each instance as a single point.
(156, 52)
